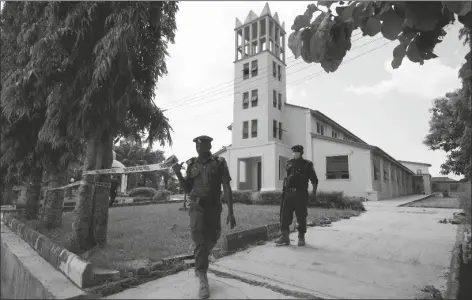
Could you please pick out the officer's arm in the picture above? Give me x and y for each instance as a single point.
(313, 177)
(227, 193)
(185, 183)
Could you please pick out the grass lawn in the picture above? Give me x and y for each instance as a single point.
(157, 231)
(437, 202)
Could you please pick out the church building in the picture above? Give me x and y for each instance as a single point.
(265, 126)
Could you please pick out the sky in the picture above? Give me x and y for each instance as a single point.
(384, 107)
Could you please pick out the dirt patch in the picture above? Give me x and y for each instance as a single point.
(436, 202)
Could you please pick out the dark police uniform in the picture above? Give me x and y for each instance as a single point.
(203, 183)
(299, 172)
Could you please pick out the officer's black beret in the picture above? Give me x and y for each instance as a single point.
(202, 138)
(297, 148)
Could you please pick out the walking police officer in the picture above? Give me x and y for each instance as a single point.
(299, 172)
(205, 175)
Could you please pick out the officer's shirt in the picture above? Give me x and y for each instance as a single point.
(207, 176)
(299, 171)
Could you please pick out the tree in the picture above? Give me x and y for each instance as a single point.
(418, 26)
(98, 64)
(450, 131)
(134, 154)
(25, 150)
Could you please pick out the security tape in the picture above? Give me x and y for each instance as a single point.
(167, 164)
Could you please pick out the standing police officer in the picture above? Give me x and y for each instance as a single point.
(299, 172)
(205, 175)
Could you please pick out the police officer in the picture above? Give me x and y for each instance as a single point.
(299, 172)
(205, 175)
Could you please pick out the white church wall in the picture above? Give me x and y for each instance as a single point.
(265, 153)
(296, 132)
(359, 164)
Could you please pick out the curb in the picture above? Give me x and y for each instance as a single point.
(71, 265)
(241, 239)
(452, 285)
(417, 200)
(145, 203)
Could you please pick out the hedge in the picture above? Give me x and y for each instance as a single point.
(155, 195)
(143, 192)
(322, 199)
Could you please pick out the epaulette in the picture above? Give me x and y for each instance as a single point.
(191, 161)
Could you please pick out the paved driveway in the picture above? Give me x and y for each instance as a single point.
(388, 252)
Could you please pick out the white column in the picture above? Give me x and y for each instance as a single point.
(251, 36)
(236, 45)
(244, 42)
(283, 47)
(259, 36)
(124, 183)
(267, 34)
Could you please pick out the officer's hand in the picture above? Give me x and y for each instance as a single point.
(177, 167)
(231, 220)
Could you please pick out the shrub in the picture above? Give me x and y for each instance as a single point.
(465, 203)
(270, 197)
(336, 200)
(143, 192)
(242, 196)
(162, 195)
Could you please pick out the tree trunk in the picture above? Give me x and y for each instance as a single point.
(7, 194)
(91, 214)
(33, 193)
(102, 194)
(80, 241)
(51, 213)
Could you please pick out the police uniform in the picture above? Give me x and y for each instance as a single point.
(299, 172)
(203, 182)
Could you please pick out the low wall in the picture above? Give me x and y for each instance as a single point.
(26, 275)
(77, 270)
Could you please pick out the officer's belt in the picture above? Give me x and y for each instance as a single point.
(295, 190)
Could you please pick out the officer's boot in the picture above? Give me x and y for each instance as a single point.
(301, 239)
(204, 289)
(284, 239)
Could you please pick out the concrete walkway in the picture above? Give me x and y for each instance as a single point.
(387, 252)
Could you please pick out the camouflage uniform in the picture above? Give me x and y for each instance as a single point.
(299, 172)
(203, 184)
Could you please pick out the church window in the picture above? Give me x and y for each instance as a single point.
(254, 68)
(337, 167)
(245, 129)
(246, 71)
(254, 98)
(254, 128)
(245, 100)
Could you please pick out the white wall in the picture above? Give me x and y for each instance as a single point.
(265, 152)
(264, 82)
(360, 182)
(414, 167)
(328, 128)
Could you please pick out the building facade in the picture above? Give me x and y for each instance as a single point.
(265, 127)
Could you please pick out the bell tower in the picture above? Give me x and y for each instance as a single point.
(259, 80)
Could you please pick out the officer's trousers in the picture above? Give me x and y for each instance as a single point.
(205, 226)
(295, 202)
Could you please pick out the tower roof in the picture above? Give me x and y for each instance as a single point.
(266, 10)
(276, 18)
(250, 17)
(238, 23)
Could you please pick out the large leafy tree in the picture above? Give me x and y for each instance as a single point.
(450, 132)
(98, 63)
(418, 26)
(25, 153)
